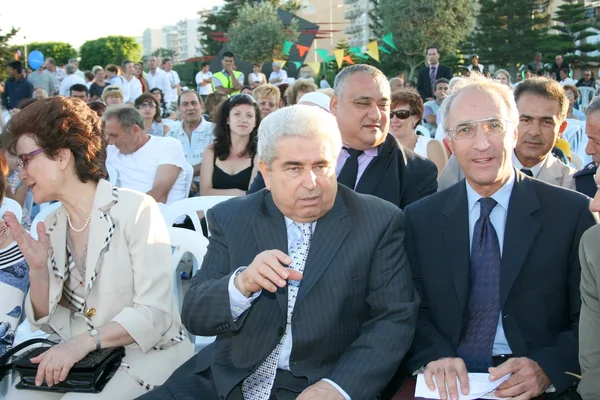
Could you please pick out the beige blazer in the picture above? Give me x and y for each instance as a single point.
(589, 319)
(129, 277)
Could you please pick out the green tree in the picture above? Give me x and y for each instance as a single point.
(508, 32)
(419, 24)
(60, 51)
(6, 52)
(164, 53)
(258, 33)
(575, 24)
(109, 50)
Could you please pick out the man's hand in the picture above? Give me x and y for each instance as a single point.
(446, 371)
(266, 272)
(527, 381)
(321, 390)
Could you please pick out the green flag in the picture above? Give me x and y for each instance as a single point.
(389, 40)
(323, 54)
(287, 45)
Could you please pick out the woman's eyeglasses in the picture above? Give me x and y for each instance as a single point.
(147, 105)
(401, 114)
(23, 159)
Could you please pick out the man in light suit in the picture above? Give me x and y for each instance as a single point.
(498, 278)
(373, 161)
(542, 106)
(306, 284)
(431, 73)
(589, 322)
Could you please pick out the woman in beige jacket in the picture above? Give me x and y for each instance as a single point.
(101, 271)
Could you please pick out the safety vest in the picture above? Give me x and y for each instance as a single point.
(226, 80)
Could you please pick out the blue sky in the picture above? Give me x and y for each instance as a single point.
(76, 22)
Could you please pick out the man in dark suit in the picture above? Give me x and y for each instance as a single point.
(371, 161)
(584, 178)
(431, 73)
(497, 276)
(325, 308)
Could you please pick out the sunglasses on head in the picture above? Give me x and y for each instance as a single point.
(240, 96)
(401, 114)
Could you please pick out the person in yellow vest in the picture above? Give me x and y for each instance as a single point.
(228, 80)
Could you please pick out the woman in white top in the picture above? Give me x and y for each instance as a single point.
(405, 115)
(256, 78)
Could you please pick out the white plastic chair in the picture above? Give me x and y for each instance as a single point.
(12, 206)
(190, 207)
(574, 134)
(189, 176)
(187, 241)
(45, 209)
(577, 161)
(420, 129)
(586, 94)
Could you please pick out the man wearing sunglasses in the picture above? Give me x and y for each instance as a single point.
(371, 161)
(498, 277)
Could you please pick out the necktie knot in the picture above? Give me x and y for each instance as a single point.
(527, 172)
(353, 153)
(487, 204)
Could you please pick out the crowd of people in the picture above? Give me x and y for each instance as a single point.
(376, 230)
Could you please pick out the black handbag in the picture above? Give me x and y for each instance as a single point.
(89, 375)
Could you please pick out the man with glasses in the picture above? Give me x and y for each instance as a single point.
(542, 105)
(587, 80)
(498, 277)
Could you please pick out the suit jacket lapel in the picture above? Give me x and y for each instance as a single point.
(455, 230)
(330, 233)
(271, 233)
(520, 232)
(57, 231)
(376, 169)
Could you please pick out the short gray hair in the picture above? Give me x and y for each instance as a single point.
(593, 107)
(482, 85)
(70, 69)
(296, 121)
(126, 116)
(344, 75)
(73, 61)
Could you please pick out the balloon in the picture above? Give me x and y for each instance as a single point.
(35, 59)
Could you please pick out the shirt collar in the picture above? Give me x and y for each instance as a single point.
(372, 152)
(535, 170)
(289, 223)
(434, 65)
(502, 196)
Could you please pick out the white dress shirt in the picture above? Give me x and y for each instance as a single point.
(282, 74)
(498, 219)
(66, 84)
(159, 80)
(239, 303)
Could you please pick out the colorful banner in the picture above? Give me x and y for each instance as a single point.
(323, 54)
(389, 40)
(287, 46)
(281, 62)
(386, 51)
(373, 50)
(316, 66)
(339, 57)
(298, 65)
(302, 50)
(348, 59)
(355, 50)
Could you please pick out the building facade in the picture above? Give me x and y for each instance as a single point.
(151, 41)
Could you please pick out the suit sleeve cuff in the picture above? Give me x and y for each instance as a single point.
(237, 301)
(336, 386)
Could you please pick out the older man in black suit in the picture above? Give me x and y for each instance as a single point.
(371, 161)
(431, 73)
(306, 284)
(498, 277)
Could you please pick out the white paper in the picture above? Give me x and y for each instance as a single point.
(480, 387)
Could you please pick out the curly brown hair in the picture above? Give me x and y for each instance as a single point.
(62, 123)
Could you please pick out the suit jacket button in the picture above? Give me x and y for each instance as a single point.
(280, 331)
(90, 312)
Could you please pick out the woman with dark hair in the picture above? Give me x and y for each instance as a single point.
(234, 149)
(98, 85)
(165, 112)
(100, 273)
(149, 109)
(256, 78)
(98, 107)
(138, 72)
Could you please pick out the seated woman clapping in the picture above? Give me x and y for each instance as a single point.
(100, 273)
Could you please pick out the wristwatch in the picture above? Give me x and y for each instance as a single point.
(94, 333)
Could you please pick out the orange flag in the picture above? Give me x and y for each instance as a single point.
(302, 49)
(348, 59)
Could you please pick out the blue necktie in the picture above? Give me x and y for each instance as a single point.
(477, 341)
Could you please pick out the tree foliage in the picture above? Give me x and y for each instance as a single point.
(258, 33)
(6, 52)
(164, 53)
(510, 31)
(60, 51)
(575, 24)
(109, 50)
(419, 24)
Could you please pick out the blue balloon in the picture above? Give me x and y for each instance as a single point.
(35, 59)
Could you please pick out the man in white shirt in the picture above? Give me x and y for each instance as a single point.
(78, 72)
(134, 84)
(565, 79)
(156, 77)
(70, 80)
(194, 133)
(150, 164)
(57, 74)
(174, 83)
(475, 66)
(204, 80)
(278, 75)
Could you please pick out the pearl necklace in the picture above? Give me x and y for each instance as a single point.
(84, 226)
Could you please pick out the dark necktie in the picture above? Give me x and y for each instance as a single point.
(432, 76)
(476, 344)
(349, 172)
(527, 172)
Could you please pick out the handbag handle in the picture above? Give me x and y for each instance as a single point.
(5, 366)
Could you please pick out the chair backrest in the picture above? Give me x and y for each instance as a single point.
(113, 175)
(186, 241)
(189, 176)
(12, 206)
(190, 207)
(586, 94)
(420, 129)
(577, 161)
(574, 134)
(45, 209)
